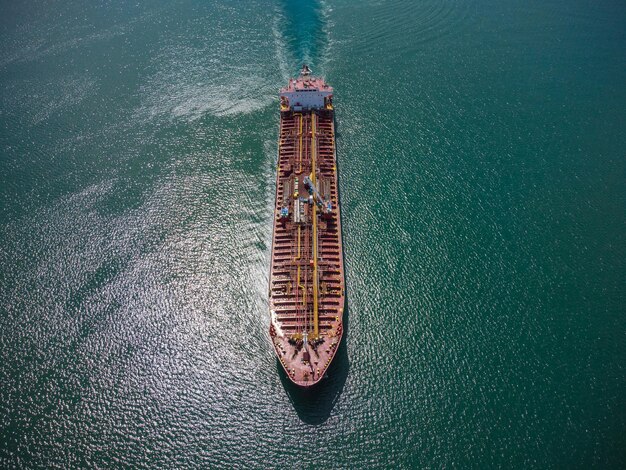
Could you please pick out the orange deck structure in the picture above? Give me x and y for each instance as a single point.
(306, 292)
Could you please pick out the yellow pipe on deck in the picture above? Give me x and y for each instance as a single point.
(300, 147)
(315, 282)
(301, 286)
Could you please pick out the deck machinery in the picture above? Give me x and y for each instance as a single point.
(306, 291)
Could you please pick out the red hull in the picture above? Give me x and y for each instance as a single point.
(306, 292)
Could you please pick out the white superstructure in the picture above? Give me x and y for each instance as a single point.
(306, 92)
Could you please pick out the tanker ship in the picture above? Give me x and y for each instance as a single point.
(306, 291)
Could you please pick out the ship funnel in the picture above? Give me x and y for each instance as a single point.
(306, 71)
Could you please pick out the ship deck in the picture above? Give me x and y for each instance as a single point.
(307, 276)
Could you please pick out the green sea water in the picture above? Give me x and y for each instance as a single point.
(481, 148)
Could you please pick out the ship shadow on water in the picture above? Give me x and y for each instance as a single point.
(314, 404)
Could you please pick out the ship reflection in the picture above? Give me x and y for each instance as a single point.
(314, 404)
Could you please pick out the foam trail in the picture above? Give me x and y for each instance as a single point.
(303, 33)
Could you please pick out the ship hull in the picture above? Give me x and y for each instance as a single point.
(307, 288)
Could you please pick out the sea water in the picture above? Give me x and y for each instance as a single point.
(481, 164)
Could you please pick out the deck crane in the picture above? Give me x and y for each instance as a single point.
(324, 206)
